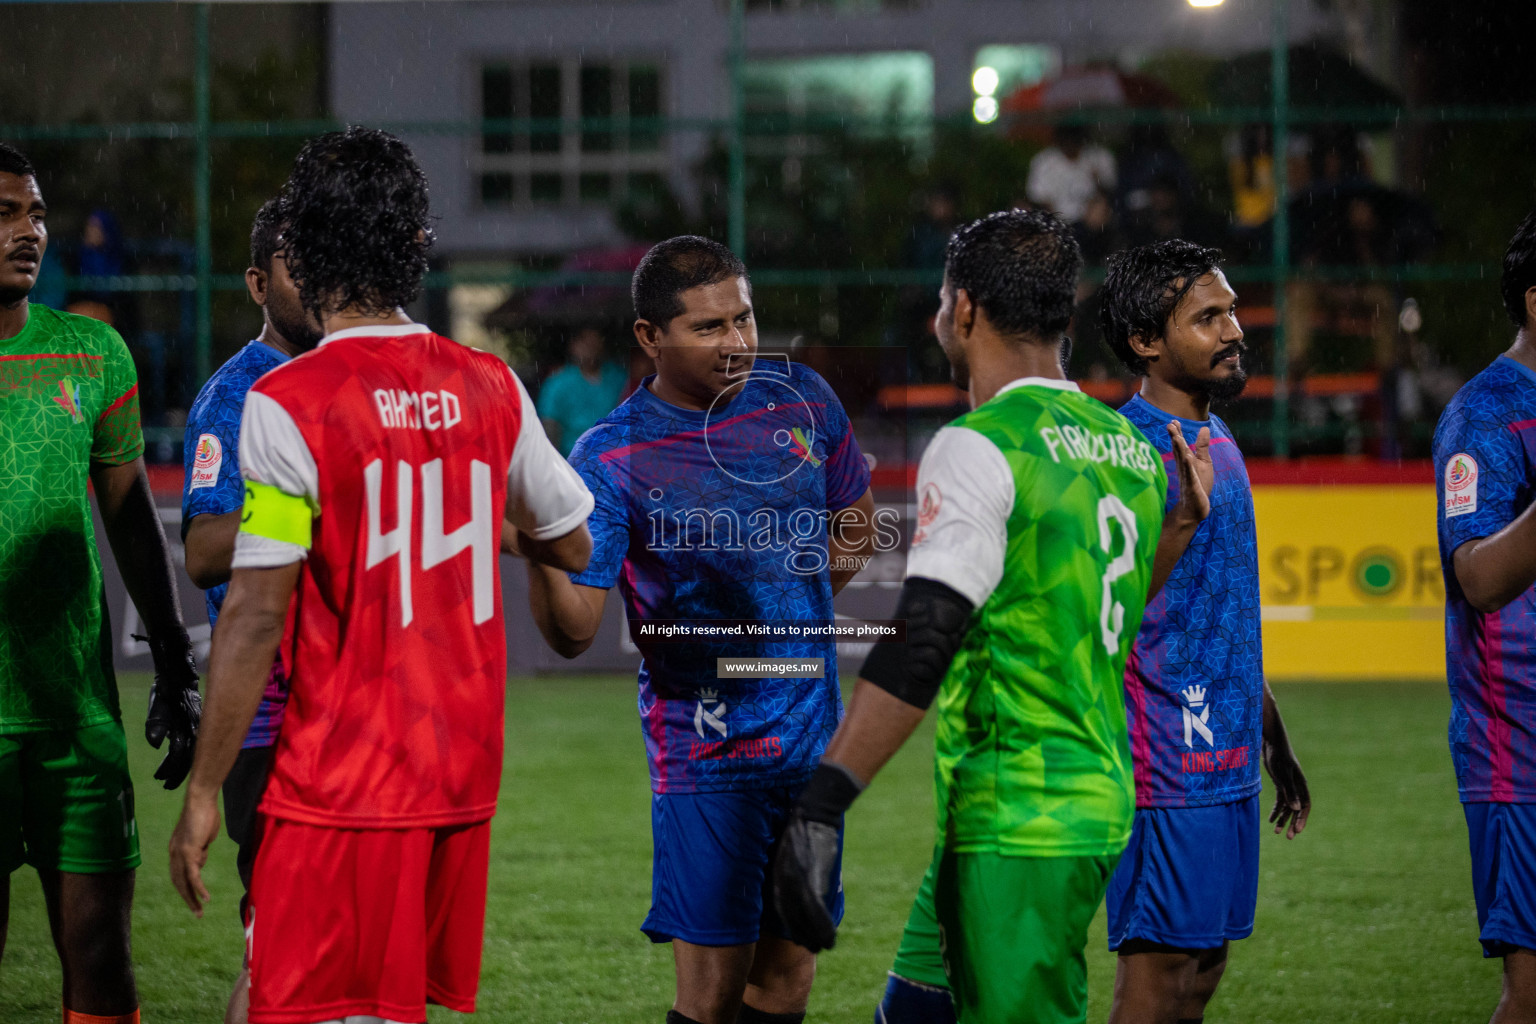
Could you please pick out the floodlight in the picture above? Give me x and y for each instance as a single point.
(984, 81)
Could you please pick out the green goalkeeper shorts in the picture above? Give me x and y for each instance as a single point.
(917, 958)
(1008, 933)
(66, 801)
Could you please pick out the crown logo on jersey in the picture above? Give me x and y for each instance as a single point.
(1195, 695)
(68, 399)
(710, 712)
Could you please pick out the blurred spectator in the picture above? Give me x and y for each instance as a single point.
(100, 254)
(51, 290)
(1343, 218)
(1095, 232)
(581, 392)
(912, 327)
(1168, 211)
(925, 246)
(1251, 172)
(1151, 161)
(1064, 177)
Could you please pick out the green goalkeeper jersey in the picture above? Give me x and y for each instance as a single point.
(68, 397)
(1043, 507)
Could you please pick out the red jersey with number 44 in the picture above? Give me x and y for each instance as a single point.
(386, 459)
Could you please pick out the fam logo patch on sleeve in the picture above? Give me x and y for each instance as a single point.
(1460, 485)
(206, 463)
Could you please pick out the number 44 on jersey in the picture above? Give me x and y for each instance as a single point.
(479, 535)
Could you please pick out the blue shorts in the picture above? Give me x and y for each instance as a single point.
(1189, 877)
(711, 871)
(1503, 840)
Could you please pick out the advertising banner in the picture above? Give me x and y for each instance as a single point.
(1350, 582)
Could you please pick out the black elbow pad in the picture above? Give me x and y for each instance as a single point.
(936, 617)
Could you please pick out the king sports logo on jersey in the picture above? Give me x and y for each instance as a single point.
(68, 399)
(1460, 485)
(206, 463)
(1195, 695)
(709, 712)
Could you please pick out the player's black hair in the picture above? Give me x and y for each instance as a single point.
(1020, 268)
(674, 266)
(1519, 270)
(13, 161)
(356, 229)
(1142, 288)
(266, 235)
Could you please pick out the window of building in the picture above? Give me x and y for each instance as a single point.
(557, 158)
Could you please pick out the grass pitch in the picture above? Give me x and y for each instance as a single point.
(1368, 917)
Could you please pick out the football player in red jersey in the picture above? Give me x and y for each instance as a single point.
(379, 468)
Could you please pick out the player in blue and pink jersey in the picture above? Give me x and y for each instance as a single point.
(1485, 450)
(212, 495)
(731, 495)
(1199, 711)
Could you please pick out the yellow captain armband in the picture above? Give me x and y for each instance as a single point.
(276, 515)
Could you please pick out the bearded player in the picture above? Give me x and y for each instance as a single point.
(378, 469)
(212, 495)
(69, 415)
(1200, 713)
(730, 490)
(1025, 584)
(1483, 451)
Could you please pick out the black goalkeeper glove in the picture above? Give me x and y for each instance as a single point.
(802, 871)
(175, 706)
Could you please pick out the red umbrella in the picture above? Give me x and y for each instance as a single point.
(1077, 88)
(1086, 88)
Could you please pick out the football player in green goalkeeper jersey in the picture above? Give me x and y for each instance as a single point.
(1040, 512)
(69, 414)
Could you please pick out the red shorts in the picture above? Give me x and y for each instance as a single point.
(369, 922)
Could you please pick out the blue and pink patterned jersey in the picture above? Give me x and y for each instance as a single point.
(718, 521)
(212, 486)
(1485, 448)
(1194, 684)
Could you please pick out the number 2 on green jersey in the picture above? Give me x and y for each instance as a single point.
(1112, 612)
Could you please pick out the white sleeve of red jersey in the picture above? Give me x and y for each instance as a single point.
(273, 452)
(546, 498)
(964, 497)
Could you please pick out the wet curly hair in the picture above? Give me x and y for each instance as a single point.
(1020, 267)
(356, 227)
(266, 235)
(1519, 270)
(13, 161)
(1142, 288)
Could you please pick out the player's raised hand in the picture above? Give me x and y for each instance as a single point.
(1292, 801)
(175, 706)
(1197, 473)
(802, 878)
(195, 831)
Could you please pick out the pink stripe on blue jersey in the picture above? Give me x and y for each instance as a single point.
(217, 411)
(719, 519)
(1484, 449)
(1195, 679)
